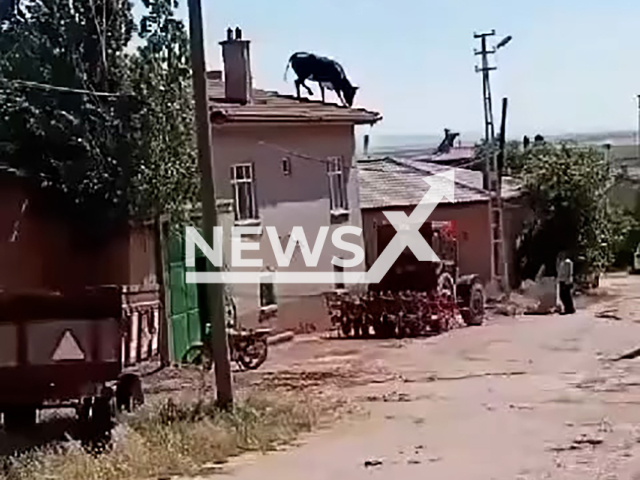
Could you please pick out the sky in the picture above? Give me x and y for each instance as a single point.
(573, 66)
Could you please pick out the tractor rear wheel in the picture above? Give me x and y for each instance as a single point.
(473, 314)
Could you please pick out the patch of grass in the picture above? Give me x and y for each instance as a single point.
(173, 438)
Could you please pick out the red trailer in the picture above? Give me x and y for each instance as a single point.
(62, 350)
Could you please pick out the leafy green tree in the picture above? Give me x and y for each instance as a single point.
(165, 175)
(513, 157)
(75, 144)
(126, 147)
(568, 190)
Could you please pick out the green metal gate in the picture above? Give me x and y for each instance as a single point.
(184, 312)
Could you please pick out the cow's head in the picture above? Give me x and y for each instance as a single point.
(349, 92)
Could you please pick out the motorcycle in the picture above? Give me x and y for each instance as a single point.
(248, 348)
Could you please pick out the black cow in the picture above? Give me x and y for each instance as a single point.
(448, 142)
(327, 72)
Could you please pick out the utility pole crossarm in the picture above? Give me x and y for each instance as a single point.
(485, 69)
(485, 34)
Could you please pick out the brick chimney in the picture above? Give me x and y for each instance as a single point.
(237, 67)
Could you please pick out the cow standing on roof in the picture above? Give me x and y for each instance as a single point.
(326, 72)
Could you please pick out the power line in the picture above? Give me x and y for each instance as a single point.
(293, 152)
(327, 162)
(45, 86)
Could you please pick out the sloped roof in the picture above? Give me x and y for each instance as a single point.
(458, 154)
(634, 174)
(455, 153)
(271, 106)
(389, 182)
(624, 152)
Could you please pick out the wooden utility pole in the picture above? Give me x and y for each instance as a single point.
(164, 335)
(215, 291)
(639, 128)
(498, 193)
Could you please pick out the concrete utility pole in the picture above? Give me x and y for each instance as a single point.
(215, 291)
(485, 69)
(492, 170)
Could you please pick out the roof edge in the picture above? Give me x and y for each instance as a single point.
(223, 116)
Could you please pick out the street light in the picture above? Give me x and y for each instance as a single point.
(503, 42)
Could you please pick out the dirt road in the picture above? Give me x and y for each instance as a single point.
(523, 398)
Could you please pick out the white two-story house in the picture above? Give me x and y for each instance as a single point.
(282, 162)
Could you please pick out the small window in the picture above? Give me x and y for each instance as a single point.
(339, 271)
(337, 185)
(244, 190)
(286, 166)
(267, 291)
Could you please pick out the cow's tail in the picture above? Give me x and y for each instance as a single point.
(286, 70)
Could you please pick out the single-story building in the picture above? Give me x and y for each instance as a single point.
(388, 184)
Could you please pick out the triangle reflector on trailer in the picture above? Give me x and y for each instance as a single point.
(68, 348)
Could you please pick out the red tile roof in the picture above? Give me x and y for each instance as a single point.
(270, 106)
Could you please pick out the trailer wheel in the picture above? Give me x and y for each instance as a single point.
(84, 410)
(377, 325)
(129, 394)
(97, 434)
(473, 314)
(360, 328)
(19, 418)
(345, 327)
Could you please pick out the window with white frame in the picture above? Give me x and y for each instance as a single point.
(337, 184)
(244, 190)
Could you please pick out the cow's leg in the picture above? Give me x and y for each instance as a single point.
(321, 91)
(309, 91)
(298, 82)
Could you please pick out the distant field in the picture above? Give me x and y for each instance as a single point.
(623, 143)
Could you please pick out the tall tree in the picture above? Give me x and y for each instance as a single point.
(165, 175)
(568, 191)
(75, 144)
(125, 146)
